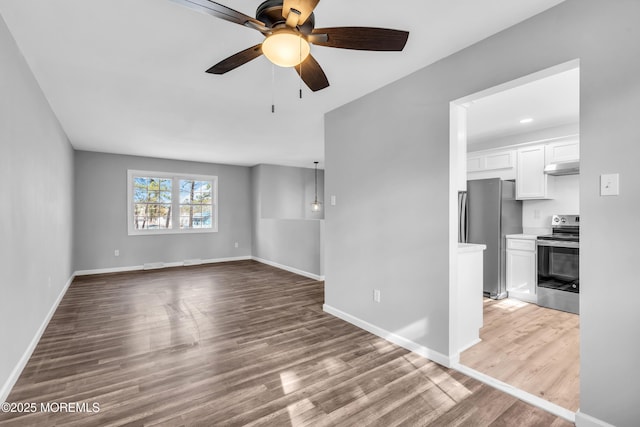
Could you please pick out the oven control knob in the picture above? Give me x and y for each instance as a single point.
(563, 220)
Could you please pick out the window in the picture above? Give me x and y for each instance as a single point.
(195, 204)
(160, 203)
(151, 203)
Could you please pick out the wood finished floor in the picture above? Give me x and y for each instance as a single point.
(237, 344)
(533, 348)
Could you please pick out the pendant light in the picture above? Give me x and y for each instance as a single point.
(316, 205)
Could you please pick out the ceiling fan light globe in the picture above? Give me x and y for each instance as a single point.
(286, 48)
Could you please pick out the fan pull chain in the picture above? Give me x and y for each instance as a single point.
(300, 52)
(273, 88)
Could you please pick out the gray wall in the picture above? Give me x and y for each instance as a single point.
(386, 161)
(285, 230)
(36, 189)
(101, 214)
(389, 228)
(287, 192)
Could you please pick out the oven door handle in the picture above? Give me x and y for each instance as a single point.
(558, 244)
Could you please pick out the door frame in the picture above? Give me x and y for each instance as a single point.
(457, 182)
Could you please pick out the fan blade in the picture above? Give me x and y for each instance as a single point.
(305, 7)
(360, 38)
(223, 12)
(312, 74)
(234, 61)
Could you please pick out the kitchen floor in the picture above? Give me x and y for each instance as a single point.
(533, 348)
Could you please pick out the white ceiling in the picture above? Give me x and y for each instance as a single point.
(127, 76)
(550, 102)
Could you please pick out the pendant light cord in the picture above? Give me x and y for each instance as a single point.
(316, 199)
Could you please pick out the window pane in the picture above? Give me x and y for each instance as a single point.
(141, 182)
(140, 194)
(206, 216)
(165, 197)
(197, 217)
(148, 216)
(187, 189)
(205, 198)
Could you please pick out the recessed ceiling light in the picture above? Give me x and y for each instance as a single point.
(527, 120)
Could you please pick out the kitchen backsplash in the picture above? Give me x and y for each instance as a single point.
(536, 214)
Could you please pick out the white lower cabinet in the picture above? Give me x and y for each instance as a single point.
(470, 298)
(521, 268)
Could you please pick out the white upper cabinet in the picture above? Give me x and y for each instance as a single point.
(491, 164)
(501, 160)
(566, 151)
(525, 165)
(531, 181)
(475, 163)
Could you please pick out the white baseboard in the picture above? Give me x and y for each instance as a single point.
(159, 265)
(108, 270)
(523, 296)
(468, 346)
(584, 420)
(390, 336)
(17, 370)
(289, 269)
(154, 265)
(529, 398)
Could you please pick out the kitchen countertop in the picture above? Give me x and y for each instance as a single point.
(522, 236)
(470, 247)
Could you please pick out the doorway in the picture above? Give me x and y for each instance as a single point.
(463, 130)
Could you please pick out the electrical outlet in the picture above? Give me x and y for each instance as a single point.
(236, 245)
(116, 252)
(333, 200)
(376, 295)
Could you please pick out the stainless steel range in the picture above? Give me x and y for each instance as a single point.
(558, 265)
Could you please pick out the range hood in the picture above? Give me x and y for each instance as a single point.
(563, 168)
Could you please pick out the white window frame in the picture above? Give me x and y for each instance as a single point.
(175, 202)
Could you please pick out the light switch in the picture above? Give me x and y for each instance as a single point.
(333, 200)
(610, 184)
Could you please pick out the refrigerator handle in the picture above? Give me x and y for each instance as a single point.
(463, 217)
(466, 219)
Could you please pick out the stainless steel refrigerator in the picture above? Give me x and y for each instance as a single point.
(488, 211)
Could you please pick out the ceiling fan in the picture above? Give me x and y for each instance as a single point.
(289, 29)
